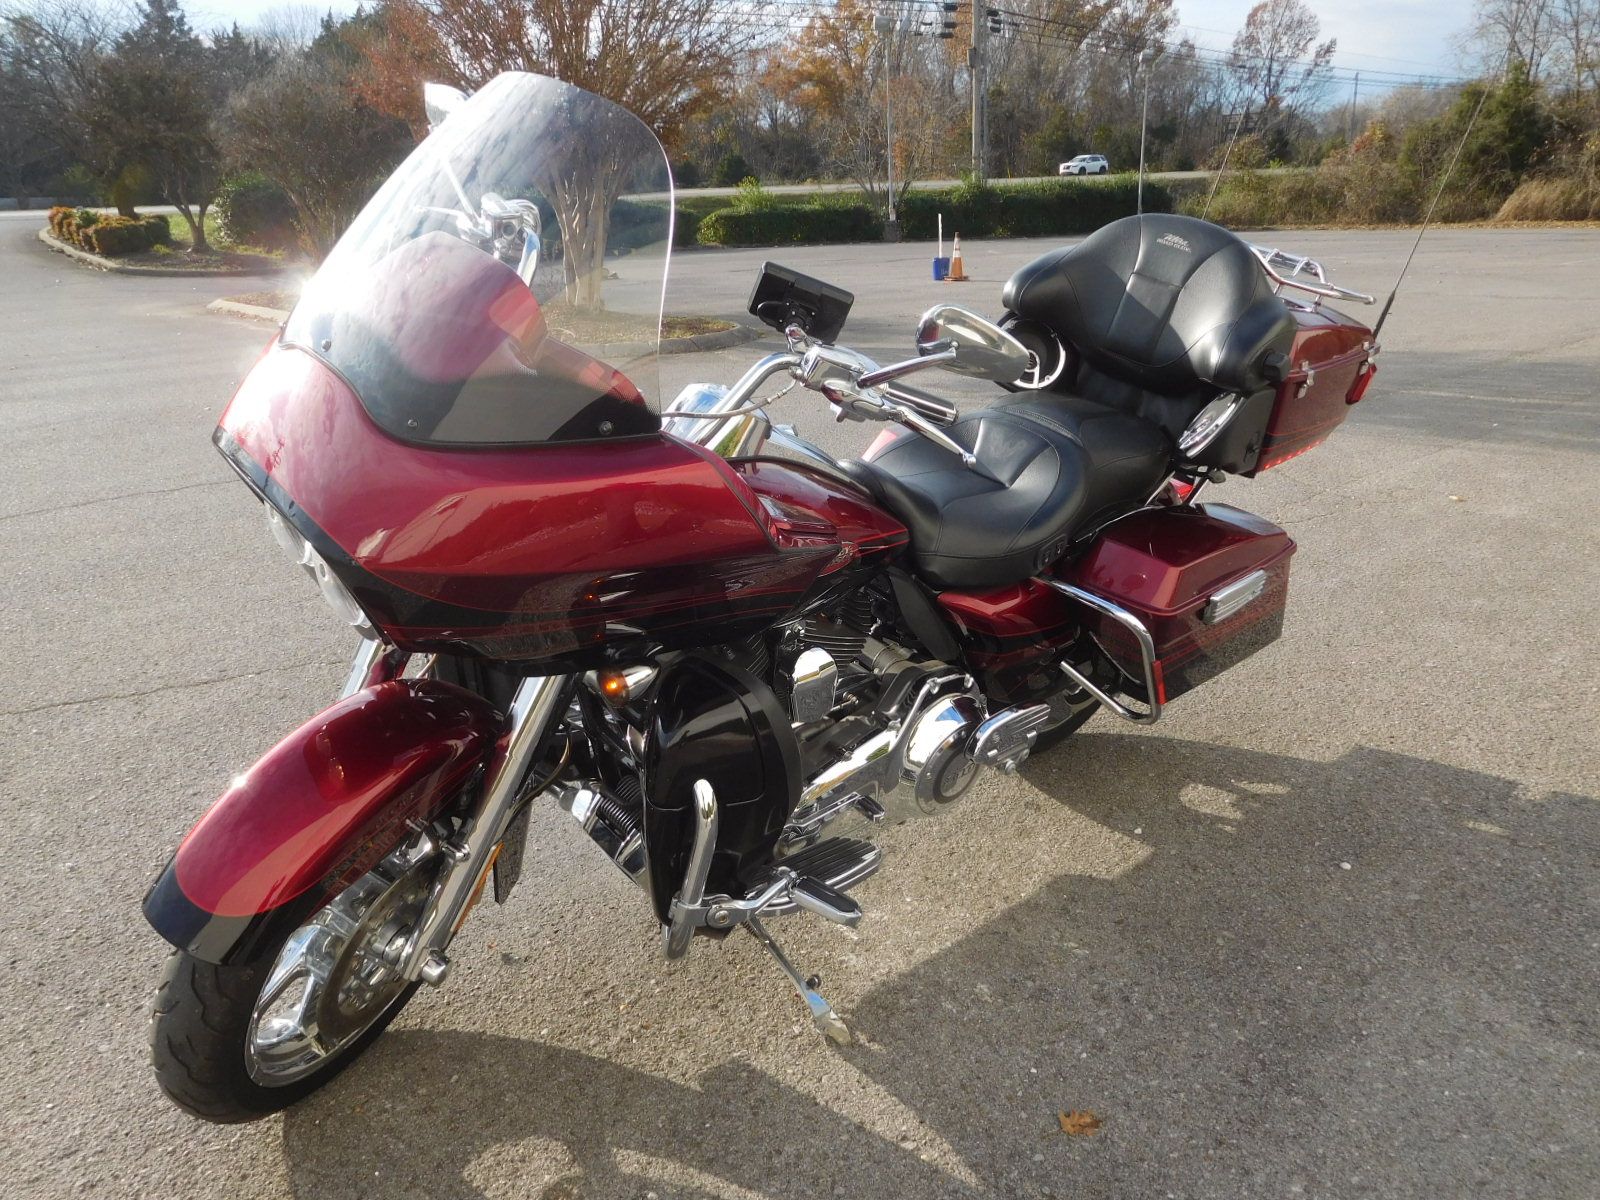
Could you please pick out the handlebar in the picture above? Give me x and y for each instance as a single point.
(937, 410)
(710, 416)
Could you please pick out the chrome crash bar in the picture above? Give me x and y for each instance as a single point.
(1298, 265)
(1147, 652)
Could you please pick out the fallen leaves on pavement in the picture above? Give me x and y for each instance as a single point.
(1080, 1122)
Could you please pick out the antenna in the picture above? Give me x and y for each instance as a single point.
(1148, 60)
(1223, 165)
(1427, 217)
(1272, 50)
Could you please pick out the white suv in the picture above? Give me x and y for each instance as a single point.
(1085, 164)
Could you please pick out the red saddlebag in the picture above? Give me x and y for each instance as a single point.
(1209, 582)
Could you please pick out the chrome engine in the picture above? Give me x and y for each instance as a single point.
(883, 734)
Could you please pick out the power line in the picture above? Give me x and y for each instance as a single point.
(1060, 31)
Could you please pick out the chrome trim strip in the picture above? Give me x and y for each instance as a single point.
(1237, 595)
(1147, 651)
(371, 665)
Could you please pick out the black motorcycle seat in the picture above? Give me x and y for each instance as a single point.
(1048, 467)
(1162, 302)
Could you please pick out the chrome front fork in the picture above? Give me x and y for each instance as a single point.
(469, 855)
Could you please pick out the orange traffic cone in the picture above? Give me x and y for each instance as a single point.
(957, 273)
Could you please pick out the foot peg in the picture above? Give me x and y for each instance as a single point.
(817, 897)
(1006, 739)
(828, 1022)
(840, 863)
(783, 891)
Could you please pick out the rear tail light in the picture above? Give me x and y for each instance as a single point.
(1358, 389)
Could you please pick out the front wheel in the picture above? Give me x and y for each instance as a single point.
(237, 1043)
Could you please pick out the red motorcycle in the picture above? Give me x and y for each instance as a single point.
(723, 652)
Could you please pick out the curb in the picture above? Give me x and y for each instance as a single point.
(255, 312)
(721, 340)
(107, 264)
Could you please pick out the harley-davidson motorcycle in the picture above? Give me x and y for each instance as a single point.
(726, 654)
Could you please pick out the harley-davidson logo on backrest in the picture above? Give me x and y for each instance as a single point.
(1173, 240)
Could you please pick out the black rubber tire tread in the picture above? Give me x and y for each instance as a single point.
(197, 1032)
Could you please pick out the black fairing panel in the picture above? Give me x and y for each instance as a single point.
(1165, 303)
(717, 723)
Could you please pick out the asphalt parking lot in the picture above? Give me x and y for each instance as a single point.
(1328, 930)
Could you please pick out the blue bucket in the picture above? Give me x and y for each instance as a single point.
(941, 268)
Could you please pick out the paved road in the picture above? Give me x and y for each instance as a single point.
(1328, 930)
(804, 188)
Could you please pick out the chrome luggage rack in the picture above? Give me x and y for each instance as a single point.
(1298, 265)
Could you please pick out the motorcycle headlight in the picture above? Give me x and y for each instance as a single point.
(333, 591)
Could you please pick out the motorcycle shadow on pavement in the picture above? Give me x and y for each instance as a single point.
(1371, 976)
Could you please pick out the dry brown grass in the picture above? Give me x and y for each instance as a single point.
(1552, 198)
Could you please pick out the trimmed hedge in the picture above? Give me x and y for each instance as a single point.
(791, 225)
(1048, 209)
(975, 210)
(111, 236)
(108, 234)
(252, 210)
(635, 223)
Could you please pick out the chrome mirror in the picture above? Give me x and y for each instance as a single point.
(439, 100)
(512, 227)
(976, 347)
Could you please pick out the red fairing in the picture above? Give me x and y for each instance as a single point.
(524, 552)
(1012, 624)
(324, 804)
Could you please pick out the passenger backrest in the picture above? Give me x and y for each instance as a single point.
(1163, 303)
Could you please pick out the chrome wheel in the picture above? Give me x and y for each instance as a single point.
(337, 974)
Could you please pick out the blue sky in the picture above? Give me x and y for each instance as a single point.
(1411, 36)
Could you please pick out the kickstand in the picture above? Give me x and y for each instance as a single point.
(823, 1017)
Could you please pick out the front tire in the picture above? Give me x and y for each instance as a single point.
(198, 1027)
(235, 1043)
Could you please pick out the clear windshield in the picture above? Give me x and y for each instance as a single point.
(505, 285)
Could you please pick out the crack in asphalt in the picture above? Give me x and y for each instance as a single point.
(44, 512)
(166, 687)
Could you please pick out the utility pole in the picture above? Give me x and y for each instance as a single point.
(980, 100)
(1350, 121)
(883, 24)
(1147, 61)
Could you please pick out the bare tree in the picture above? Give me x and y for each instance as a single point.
(840, 72)
(1514, 30)
(48, 56)
(289, 28)
(662, 60)
(1277, 63)
(303, 127)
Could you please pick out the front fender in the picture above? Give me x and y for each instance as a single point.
(319, 810)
